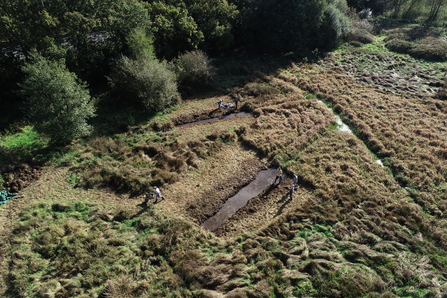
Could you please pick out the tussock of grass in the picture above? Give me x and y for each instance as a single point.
(78, 252)
(154, 159)
(419, 42)
(287, 127)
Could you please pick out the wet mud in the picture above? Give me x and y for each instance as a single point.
(209, 203)
(263, 180)
(259, 211)
(226, 116)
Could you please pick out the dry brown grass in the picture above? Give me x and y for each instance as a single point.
(287, 128)
(350, 231)
(409, 133)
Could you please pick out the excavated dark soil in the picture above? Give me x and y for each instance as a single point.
(19, 176)
(257, 204)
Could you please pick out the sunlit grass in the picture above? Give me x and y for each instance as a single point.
(28, 139)
(21, 145)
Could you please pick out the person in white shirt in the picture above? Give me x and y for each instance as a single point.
(157, 194)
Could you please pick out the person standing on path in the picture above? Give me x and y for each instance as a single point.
(219, 104)
(236, 100)
(157, 194)
(291, 191)
(295, 179)
(278, 175)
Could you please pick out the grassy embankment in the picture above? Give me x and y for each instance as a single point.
(354, 229)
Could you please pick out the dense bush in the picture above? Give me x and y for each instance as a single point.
(57, 103)
(361, 32)
(335, 26)
(215, 19)
(294, 26)
(377, 6)
(175, 31)
(194, 70)
(144, 81)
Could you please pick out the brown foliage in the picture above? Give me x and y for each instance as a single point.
(287, 127)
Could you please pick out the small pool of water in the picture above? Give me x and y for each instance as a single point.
(263, 180)
(380, 162)
(341, 126)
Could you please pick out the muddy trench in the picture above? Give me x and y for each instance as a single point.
(255, 195)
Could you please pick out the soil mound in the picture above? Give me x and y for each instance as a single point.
(18, 176)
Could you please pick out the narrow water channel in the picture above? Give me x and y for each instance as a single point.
(215, 119)
(341, 126)
(262, 181)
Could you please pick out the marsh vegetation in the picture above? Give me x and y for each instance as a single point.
(354, 228)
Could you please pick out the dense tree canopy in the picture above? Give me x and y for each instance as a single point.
(57, 103)
(91, 36)
(175, 31)
(293, 26)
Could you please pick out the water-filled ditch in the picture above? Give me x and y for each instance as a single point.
(240, 114)
(263, 180)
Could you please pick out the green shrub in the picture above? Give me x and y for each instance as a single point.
(57, 103)
(419, 42)
(194, 70)
(361, 32)
(144, 81)
(336, 24)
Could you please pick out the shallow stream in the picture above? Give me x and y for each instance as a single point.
(215, 119)
(341, 126)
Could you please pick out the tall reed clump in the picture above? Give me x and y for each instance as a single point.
(137, 161)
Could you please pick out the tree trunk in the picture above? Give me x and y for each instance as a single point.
(434, 12)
